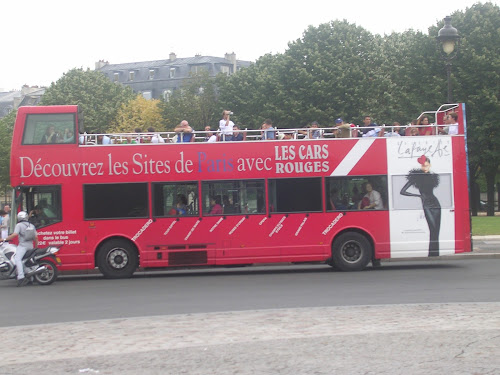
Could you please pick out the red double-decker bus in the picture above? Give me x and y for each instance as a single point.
(346, 202)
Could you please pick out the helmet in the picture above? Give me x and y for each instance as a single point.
(22, 216)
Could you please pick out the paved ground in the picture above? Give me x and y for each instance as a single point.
(453, 338)
(388, 339)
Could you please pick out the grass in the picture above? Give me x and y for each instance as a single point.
(485, 225)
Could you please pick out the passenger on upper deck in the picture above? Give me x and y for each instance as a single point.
(343, 130)
(103, 139)
(313, 132)
(50, 135)
(268, 132)
(226, 126)
(426, 128)
(184, 132)
(367, 125)
(239, 135)
(414, 132)
(451, 122)
(155, 137)
(138, 139)
(394, 131)
(209, 135)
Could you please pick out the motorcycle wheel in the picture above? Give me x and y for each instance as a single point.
(48, 276)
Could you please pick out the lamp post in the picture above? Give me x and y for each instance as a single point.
(448, 38)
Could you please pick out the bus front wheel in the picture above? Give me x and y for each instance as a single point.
(351, 251)
(117, 259)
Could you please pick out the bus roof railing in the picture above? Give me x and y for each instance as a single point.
(353, 131)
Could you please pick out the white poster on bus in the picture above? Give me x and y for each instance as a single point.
(422, 218)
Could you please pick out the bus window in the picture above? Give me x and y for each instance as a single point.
(115, 201)
(49, 128)
(43, 203)
(356, 193)
(233, 197)
(172, 199)
(295, 195)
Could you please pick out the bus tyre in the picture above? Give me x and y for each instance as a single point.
(351, 251)
(117, 259)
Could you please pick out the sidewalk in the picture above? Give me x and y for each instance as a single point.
(452, 338)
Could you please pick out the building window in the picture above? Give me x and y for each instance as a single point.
(147, 95)
(225, 69)
(196, 69)
(116, 77)
(172, 73)
(131, 75)
(166, 95)
(151, 73)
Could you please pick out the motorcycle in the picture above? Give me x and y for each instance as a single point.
(40, 264)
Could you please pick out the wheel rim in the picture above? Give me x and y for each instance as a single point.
(117, 258)
(46, 275)
(352, 251)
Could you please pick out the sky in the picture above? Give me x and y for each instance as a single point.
(44, 39)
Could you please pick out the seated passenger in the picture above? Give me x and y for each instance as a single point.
(239, 135)
(184, 132)
(181, 206)
(313, 132)
(268, 132)
(209, 135)
(68, 136)
(155, 137)
(371, 200)
(426, 128)
(335, 202)
(215, 206)
(344, 130)
(103, 139)
(50, 135)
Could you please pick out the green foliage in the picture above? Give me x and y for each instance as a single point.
(98, 97)
(6, 129)
(138, 113)
(195, 102)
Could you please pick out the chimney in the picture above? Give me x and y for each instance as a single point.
(231, 57)
(100, 64)
(172, 56)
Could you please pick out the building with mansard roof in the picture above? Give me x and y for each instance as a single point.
(160, 78)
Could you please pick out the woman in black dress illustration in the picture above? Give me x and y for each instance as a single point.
(426, 181)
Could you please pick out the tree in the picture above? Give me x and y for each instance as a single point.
(98, 97)
(138, 113)
(195, 102)
(477, 83)
(6, 129)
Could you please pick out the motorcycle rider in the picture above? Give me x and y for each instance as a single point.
(27, 238)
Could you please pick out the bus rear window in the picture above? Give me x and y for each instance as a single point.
(115, 201)
(42, 129)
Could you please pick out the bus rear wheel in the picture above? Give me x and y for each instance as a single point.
(117, 259)
(351, 251)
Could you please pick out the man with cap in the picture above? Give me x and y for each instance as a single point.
(343, 130)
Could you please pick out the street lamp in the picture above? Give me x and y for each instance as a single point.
(449, 38)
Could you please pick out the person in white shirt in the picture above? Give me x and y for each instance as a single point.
(226, 126)
(210, 136)
(155, 137)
